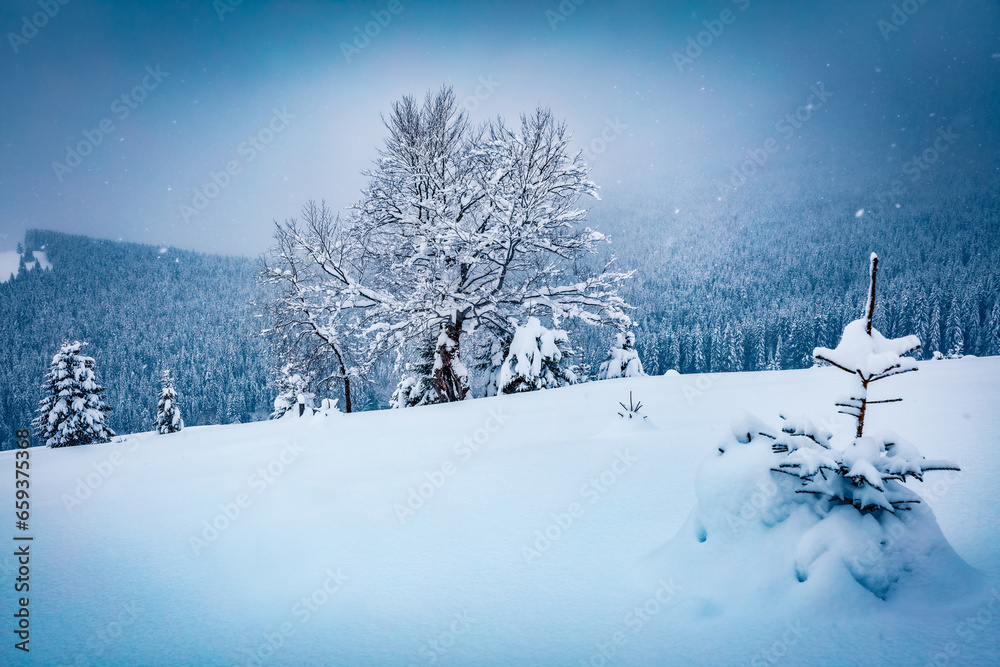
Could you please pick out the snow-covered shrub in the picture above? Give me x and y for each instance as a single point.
(168, 411)
(536, 359)
(72, 410)
(841, 495)
(623, 359)
(866, 472)
(293, 390)
(834, 501)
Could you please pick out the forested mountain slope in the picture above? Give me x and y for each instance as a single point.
(141, 309)
(745, 283)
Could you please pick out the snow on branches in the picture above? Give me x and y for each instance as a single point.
(868, 356)
(294, 396)
(535, 360)
(623, 359)
(458, 229)
(866, 472)
(72, 410)
(168, 411)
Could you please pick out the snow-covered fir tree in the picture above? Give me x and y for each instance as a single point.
(493, 361)
(294, 393)
(538, 358)
(623, 359)
(72, 410)
(168, 410)
(868, 472)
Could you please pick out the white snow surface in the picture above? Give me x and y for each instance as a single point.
(871, 354)
(529, 541)
(10, 263)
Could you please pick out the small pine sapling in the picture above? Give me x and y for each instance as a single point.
(631, 411)
(869, 472)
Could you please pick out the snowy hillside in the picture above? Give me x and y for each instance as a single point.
(533, 529)
(10, 263)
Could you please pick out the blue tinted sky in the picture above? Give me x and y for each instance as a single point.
(608, 67)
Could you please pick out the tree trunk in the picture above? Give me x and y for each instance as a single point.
(449, 385)
(347, 393)
(870, 306)
(864, 405)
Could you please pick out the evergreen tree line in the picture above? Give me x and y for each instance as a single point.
(141, 311)
(722, 286)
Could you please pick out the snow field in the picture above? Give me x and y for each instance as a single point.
(537, 529)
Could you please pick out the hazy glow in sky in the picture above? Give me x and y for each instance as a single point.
(203, 122)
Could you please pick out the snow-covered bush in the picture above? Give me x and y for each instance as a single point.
(72, 410)
(293, 390)
(841, 494)
(623, 359)
(865, 472)
(536, 359)
(168, 410)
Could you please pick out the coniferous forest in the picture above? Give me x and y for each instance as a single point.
(714, 291)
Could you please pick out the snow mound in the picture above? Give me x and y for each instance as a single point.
(747, 506)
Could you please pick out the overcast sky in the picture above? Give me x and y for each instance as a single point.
(161, 95)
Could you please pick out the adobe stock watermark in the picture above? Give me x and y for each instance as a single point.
(246, 152)
(702, 383)
(779, 648)
(381, 18)
(435, 480)
(563, 11)
(31, 25)
(106, 636)
(88, 484)
(122, 107)
(483, 92)
(918, 165)
(437, 646)
(785, 127)
(634, 621)
(900, 15)
(613, 129)
(970, 628)
(223, 7)
(259, 482)
(591, 491)
(714, 28)
(303, 610)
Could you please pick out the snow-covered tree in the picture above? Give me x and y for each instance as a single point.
(72, 410)
(425, 381)
(293, 392)
(168, 411)
(868, 356)
(310, 323)
(843, 492)
(458, 229)
(537, 359)
(493, 361)
(868, 472)
(623, 359)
